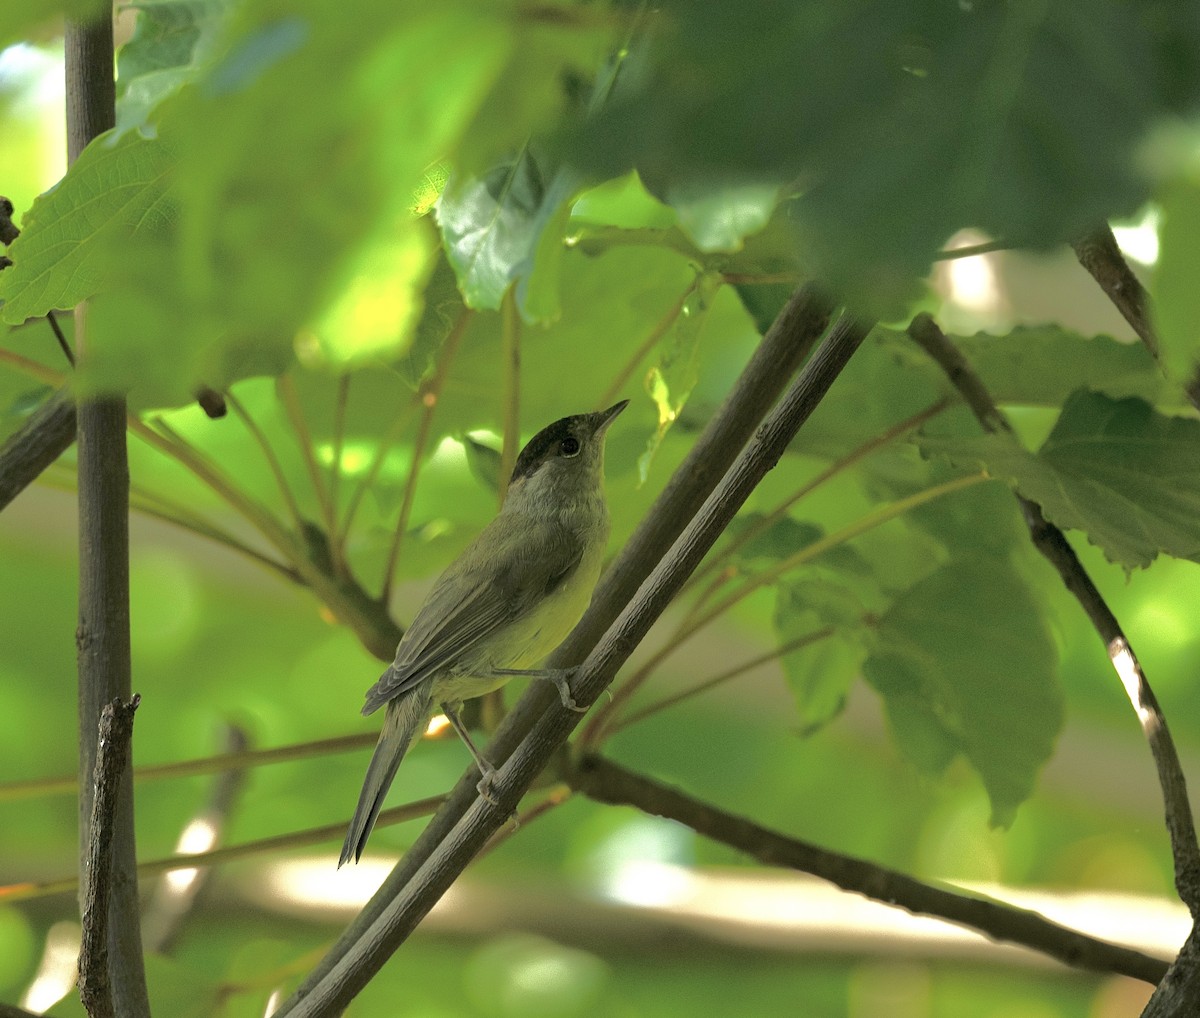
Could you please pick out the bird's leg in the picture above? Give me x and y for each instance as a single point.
(487, 771)
(561, 677)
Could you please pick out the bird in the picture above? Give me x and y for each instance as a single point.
(508, 600)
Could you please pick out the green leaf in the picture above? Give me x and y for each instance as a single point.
(965, 664)
(1119, 471)
(114, 192)
(1042, 365)
(500, 227)
(983, 85)
(169, 40)
(720, 218)
(671, 380)
(819, 607)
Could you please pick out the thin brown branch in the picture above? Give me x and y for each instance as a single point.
(110, 779)
(273, 845)
(285, 489)
(41, 440)
(215, 764)
(173, 901)
(510, 345)
(790, 647)
(1052, 543)
(1100, 254)
(768, 371)
(63, 345)
(606, 782)
(428, 396)
(341, 402)
(653, 338)
(291, 403)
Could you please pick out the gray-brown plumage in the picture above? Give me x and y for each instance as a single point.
(505, 603)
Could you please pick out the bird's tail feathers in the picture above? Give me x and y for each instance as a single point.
(407, 716)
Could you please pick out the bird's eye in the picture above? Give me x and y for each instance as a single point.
(570, 446)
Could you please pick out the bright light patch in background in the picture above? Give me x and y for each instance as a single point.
(31, 78)
(971, 281)
(437, 724)
(637, 864)
(356, 457)
(57, 971)
(1139, 240)
(197, 836)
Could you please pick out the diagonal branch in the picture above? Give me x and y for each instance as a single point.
(1099, 253)
(46, 435)
(549, 733)
(607, 782)
(784, 347)
(1051, 542)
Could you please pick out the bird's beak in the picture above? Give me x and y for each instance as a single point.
(610, 415)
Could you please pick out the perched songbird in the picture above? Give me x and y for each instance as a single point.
(504, 604)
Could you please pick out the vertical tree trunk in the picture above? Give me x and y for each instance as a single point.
(103, 634)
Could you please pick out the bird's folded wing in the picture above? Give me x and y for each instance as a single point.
(482, 591)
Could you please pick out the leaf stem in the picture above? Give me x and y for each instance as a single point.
(653, 338)
(703, 687)
(850, 459)
(272, 460)
(335, 469)
(428, 394)
(291, 403)
(510, 338)
(231, 853)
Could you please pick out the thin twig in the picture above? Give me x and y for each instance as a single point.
(172, 901)
(215, 764)
(653, 338)
(972, 250)
(791, 646)
(1052, 543)
(231, 853)
(291, 403)
(335, 470)
(607, 782)
(833, 470)
(769, 369)
(110, 774)
(1100, 254)
(52, 321)
(429, 394)
(285, 489)
(510, 346)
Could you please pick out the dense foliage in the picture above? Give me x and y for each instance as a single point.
(404, 238)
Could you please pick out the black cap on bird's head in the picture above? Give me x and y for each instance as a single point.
(578, 439)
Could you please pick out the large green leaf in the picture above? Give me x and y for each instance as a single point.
(1124, 474)
(116, 191)
(772, 93)
(965, 664)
